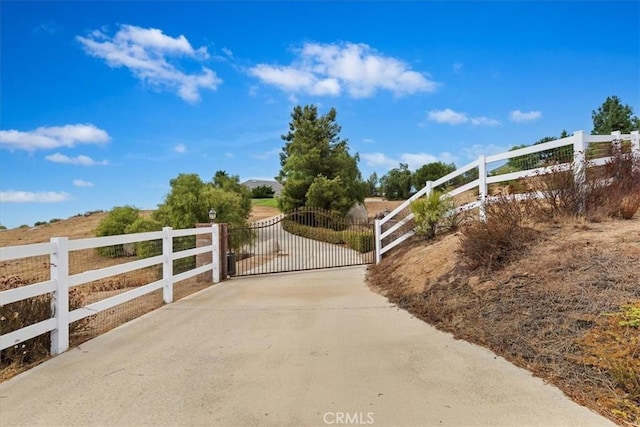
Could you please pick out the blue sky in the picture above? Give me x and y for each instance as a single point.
(102, 103)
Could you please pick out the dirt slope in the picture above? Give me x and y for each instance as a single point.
(556, 312)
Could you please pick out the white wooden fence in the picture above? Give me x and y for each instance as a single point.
(579, 141)
(61, 281)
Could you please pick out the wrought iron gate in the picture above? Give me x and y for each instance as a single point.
(305, 239)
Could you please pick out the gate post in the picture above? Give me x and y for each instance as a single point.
(205, 239)
(223, 250)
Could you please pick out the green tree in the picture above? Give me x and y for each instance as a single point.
(612, 116)
(314, 148)
(396, 184)
(232, 184)
(329, 194)
(190, 200)
(372, 185)
(431, 172)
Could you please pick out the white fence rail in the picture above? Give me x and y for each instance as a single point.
(387, 238)
(61, 281)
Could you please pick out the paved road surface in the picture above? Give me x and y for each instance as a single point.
(303, 349)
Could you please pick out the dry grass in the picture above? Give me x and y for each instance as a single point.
(546, 312)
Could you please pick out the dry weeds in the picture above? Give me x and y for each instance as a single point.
(546, 312)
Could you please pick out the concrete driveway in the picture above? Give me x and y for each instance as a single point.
(304, 349)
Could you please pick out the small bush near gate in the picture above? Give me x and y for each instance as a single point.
(23, 313)
(429, 212)
(361, 241)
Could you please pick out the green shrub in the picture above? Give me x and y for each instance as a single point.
(24, 226)
(116, 223)
(319, 218)
(429, 211)
(2, 227)
(38, 223)
(316, 233)
(361, 241)
(147, 248)
(52, 220)
(262, 192)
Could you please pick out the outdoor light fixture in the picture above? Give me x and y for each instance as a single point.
(212, 214)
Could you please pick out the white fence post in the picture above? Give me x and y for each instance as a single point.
(616, 144)
(59, 270)
(482, 186)
(167, 265)
(215, 252)
(635, 149)
(580, 164)
(429, 186)
(377, 234)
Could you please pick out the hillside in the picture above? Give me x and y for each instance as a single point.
(81, 226)
(568, 310)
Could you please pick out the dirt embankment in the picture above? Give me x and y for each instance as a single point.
(568, 310)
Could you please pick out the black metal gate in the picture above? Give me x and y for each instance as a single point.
(305, 239)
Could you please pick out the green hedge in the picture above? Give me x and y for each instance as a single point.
(316, 233)
(361, 241)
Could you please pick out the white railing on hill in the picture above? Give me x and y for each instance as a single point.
(60, 281)
(389, 231)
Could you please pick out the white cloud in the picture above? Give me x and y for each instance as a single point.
(33, 197)
(229, 155)
(457, 66)
(378, 159)
(413, 160)
(180, 148)
(451, 117)
(82, 183)
(416, 160)
(146, 52)
(484, 121)
(227, 52)
(368, 140)
(447, 116)
(49, 137)
(331, 69)
(522, 117)
(78, 160)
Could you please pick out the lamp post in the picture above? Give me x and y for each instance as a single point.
(212, 215)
